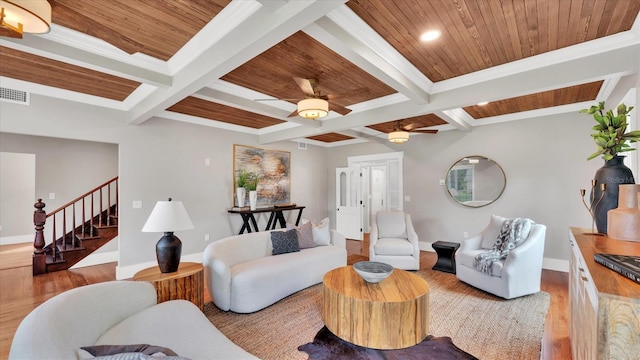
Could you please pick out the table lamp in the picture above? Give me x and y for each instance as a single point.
(167, 217)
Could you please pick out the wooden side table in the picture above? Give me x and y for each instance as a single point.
(446, 256)
(187, 283)
(392, 314)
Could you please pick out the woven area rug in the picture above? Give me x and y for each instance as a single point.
(479, 323)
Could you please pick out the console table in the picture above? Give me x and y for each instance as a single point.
(275, 217)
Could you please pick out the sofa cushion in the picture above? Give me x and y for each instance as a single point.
(466, 258)
(320, 231)
(284, 242)
(178, 325)
(394, 246)
(261, 282)
(102, 350)
(305, 235)
(493, 230)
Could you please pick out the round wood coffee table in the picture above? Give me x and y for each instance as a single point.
(392, 314)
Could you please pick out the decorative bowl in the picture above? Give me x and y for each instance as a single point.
(372, 271)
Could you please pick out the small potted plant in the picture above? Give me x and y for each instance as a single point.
(611, 138)
(252, 187)
(241, 184)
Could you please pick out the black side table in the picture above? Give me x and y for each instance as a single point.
(446, 256)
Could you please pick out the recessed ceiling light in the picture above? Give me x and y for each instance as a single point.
(430, 35)
(483, 103)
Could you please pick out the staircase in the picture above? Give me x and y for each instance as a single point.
(76, 229)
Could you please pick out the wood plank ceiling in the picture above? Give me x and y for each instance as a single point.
(476, 36)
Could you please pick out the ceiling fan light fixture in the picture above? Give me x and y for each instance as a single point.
(24, 16)
(313, 108)
(398, 137)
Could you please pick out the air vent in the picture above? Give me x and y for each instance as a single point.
(14, 96)
(302, 146)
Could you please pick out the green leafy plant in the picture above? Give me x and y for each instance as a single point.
(252, 182)
(243, 176)
(611, 137)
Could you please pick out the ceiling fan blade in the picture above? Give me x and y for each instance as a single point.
(359, 91)
(294, 113)
(409, 127)
(424, 131)
(305, 85)
(339, 109)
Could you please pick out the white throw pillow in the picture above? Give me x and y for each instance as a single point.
(492, 232)
(321, 233)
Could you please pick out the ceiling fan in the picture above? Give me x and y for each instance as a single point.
(316, 105)
(400, 133)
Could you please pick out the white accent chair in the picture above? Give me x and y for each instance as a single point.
(393, 241)
(517, 275)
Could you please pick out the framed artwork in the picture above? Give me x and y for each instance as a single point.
(273, 169)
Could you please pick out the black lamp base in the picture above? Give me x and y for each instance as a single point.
(168, 252)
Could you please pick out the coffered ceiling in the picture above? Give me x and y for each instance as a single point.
(225, 64)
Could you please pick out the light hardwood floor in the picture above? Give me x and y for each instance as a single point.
(20, 292)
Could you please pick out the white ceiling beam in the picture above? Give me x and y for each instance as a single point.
(361, 135)
(590, 67)
(252, 106)
(80, 54)
(262, 29)
(349, 36)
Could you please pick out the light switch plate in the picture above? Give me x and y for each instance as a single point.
(137, 204)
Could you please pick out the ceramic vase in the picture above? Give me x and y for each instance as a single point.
(241, 194)
(624, 222)
(613, 173)
(253, 199)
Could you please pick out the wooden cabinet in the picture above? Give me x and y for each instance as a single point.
(604, 306)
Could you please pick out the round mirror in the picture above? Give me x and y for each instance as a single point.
(475, 181)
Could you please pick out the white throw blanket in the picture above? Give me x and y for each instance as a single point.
(513, 233)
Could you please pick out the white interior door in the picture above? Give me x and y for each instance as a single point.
(348, 205)
(378, 189)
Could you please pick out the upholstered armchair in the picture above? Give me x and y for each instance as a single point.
(394, 241)
(517, 275)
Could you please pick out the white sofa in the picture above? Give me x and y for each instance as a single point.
(243, 276)
(118, 313)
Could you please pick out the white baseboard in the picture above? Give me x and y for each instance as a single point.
(425, 246)
(18, 239)
(547, 263)
(555, 264)
(127, 272)
(97, 259)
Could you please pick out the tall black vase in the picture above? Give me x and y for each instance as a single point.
(612, 173)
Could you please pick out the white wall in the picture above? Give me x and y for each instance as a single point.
(544, 160)
(17, 189)
(161, 159)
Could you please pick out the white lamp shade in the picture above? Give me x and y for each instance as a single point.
(34, 15)
(398, 137)
(313, 108)
(168, 216)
